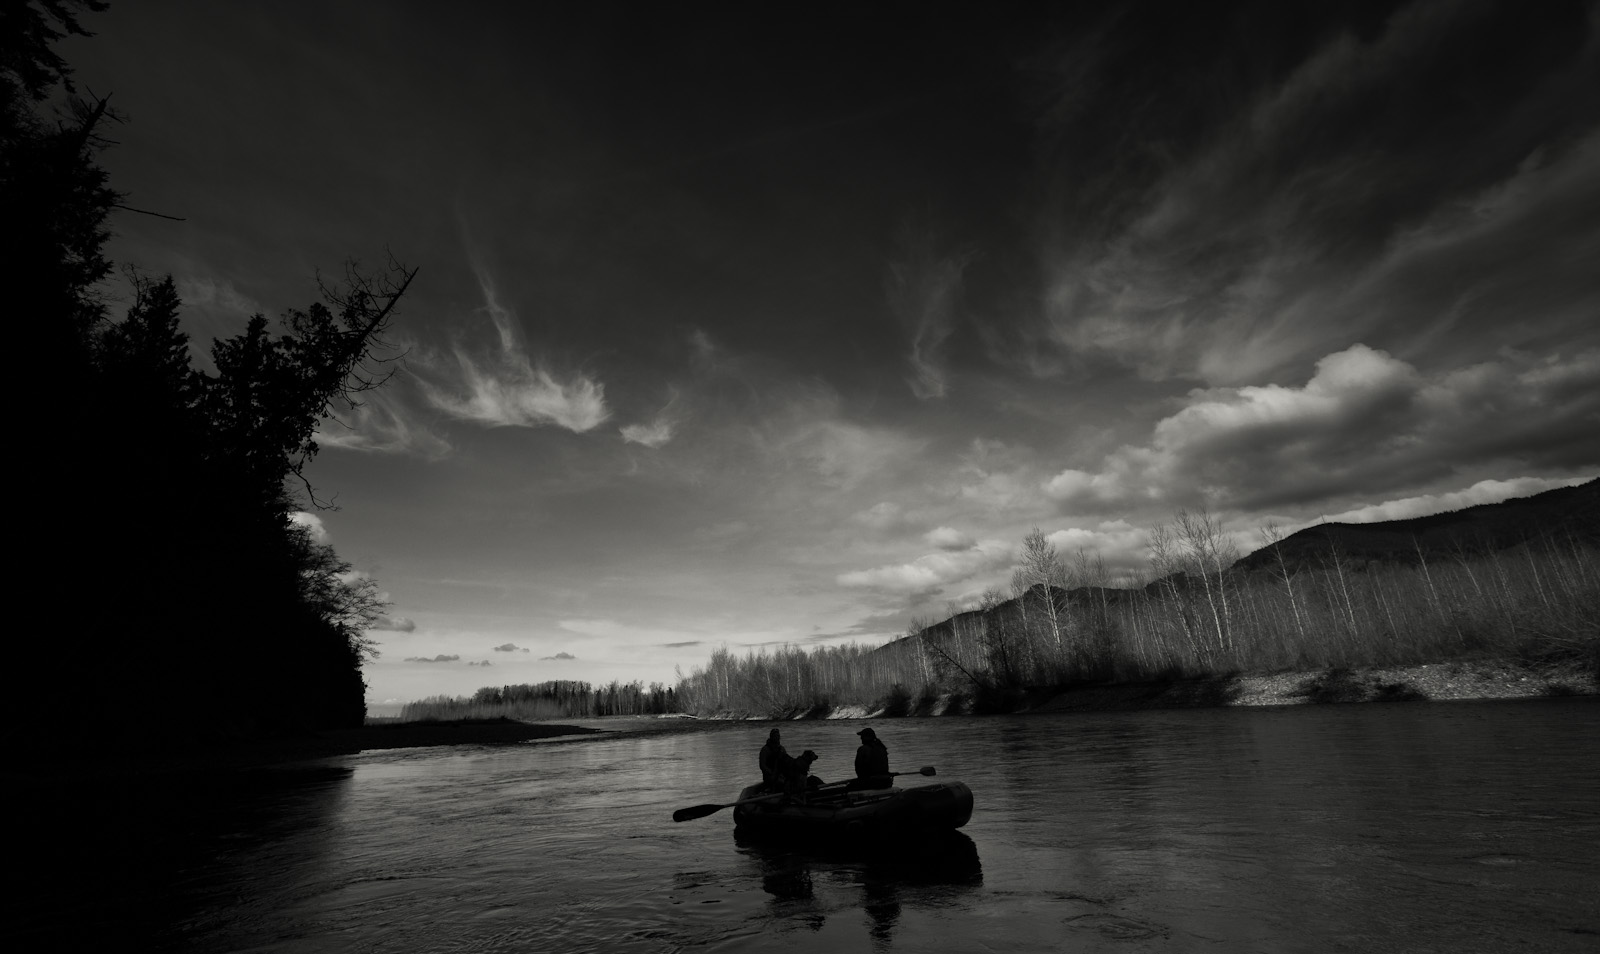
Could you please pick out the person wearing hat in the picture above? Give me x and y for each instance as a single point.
(773, 760)
(872, 762)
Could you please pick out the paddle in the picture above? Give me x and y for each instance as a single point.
(701, 811)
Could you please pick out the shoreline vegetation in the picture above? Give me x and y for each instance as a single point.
(1375, 610)
(1475, 680)
(1480, 680)
(1495, 601)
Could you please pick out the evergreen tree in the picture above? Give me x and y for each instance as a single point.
(175, 587)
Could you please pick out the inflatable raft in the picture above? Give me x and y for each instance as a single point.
(873, 812)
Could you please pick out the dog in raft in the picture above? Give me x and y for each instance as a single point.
(794, 772)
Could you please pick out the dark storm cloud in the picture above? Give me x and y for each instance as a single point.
(1365, 423)
(1293, 179)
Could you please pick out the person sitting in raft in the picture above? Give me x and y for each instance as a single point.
(772, 759)
(872, 762)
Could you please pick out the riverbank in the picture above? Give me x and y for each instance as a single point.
(1462, 681)
(405, 735)
(1458, 681)
(125, 754)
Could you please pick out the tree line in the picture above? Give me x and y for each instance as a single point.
(561, 699)
(172, 588)
(1195, 613)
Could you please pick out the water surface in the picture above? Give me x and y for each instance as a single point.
(1407, 827)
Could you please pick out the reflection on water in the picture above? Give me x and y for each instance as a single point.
(153, 859)
(929, 871)
(1364, 828)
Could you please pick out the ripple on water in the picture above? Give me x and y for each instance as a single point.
(1306, 829)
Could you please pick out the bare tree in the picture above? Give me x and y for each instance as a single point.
(1212, 553)
(997, 637)
(1043, 566)
(1169, 567)
(1272, 538)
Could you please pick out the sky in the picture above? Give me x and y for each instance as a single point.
(761, 325)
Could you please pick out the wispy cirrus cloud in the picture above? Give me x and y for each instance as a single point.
(383, 423)
(924, 287)
(502, 386)
(657, 431)
(1227, 238)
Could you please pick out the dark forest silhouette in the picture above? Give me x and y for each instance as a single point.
(174, 600)
(560, 699)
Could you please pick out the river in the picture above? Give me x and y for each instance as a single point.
(1380, 827)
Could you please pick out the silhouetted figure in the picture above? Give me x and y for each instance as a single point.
(772, 759)
(872, 762)
(797, 777)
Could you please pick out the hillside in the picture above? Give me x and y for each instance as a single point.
(1566, 514)
(1565, 517)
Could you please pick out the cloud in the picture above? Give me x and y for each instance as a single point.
(1079, 488)
(397, 624)
(312, 523)
(810, 433)
(1365, 422)
(503, 387)
(441, 658)
(381, 424)
(882, 516)
(654, 434)
(483, 663)
(660, 429)
(932, 572)
(1482, 492)
(206, 291)
(511, 648)
(557, 656)
(1120, 546)
(999, 477)
(683, 645)
(948, 538)
(923, 289)
(1419, 186)
(628, 635)
(722, 532)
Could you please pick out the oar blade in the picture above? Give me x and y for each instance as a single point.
(926, 770)
(697, 811)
